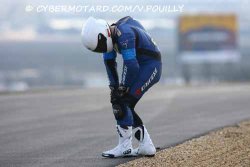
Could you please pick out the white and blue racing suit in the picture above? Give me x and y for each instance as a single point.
(141, 69)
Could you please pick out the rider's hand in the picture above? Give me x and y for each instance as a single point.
(122, 91)
(113, 94)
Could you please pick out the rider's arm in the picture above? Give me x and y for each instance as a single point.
(111, 68)
(130, 66)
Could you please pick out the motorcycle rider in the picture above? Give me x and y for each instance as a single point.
(141, 70)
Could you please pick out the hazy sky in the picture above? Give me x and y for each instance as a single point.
(190, 5)
(13, 12)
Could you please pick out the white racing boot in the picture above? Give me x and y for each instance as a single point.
(124, 148)
(146, 146)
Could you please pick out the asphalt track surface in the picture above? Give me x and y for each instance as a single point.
(73, 127)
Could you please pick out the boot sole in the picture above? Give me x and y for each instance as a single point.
(108, 155)
(112, 156)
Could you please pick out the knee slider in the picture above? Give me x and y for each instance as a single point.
(118, 111)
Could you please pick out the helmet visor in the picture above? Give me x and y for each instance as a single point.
(101, 44)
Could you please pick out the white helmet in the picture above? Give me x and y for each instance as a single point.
(96, 35)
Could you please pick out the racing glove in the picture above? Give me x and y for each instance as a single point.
(117, 93)
(114, 98)
(122, 90)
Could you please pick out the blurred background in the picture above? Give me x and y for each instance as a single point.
(201, 42)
